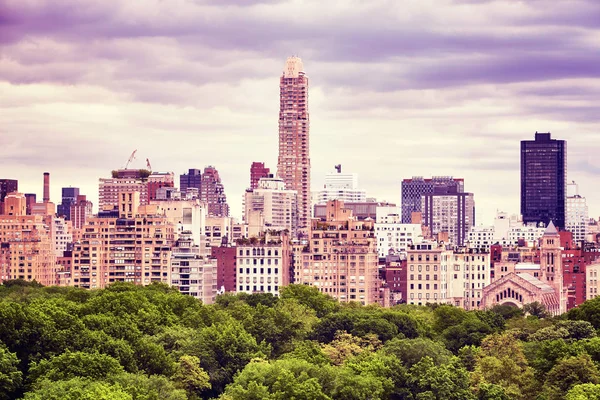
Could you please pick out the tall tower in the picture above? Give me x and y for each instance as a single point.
(293, 165)
(543, 180)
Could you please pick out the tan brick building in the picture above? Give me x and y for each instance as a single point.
(136, 247)
(340, 257)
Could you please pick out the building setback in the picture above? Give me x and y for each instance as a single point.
(543, 180)
(213, 193)
(293, 164)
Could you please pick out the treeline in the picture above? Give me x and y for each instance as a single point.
(151, 343)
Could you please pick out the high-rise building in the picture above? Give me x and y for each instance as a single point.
(340, 259)
(158, 180)
(414, 189)
(577, 213)
(8, 186)
(193, 272)
(271, 206)
(134, 246)
(80, 211)
(341, 186)
(293, 164)
(213, 193)
(30, 200)
(392, 235)
(193, 179)
(69, 197)
(123, 180)
(258, 171)
(26, 251)
(447, 210)
(543, 180)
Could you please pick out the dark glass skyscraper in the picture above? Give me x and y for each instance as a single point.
(69, 197)
(543, 180)
(193, 179)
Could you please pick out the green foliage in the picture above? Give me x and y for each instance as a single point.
(570, 372)
(10, 376)
(585, 391)
(77, 389)
(151, 343)
(75, 364)
(536, 309)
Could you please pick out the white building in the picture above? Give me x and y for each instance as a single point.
(468, 274)
(506, 231)
(61, 234)
(341, 186)
(192, 272)
(185, 215)
(576, 213)
(271, 206)
(263, 267)
(392, 235)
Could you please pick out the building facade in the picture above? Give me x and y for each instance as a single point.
(293, 164)
(69, 197)
(212, 192)
(543, 180)
(450, 211)
(576, 216)
(415, 188)
(271, 206)
(193, 179)
(341, 186)
(394, 237)
(340, 257)
(263, 266)
(257, 172)
(193, 272)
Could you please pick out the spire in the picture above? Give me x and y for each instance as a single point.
(551, 230)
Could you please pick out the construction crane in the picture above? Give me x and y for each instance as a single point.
(131, 158)
(148, 165)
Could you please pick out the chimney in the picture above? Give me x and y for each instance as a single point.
(46, 198)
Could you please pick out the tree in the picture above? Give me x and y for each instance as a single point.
(77, 389)
(279, 380)
(75, 364)
(191, 377)
(311, 297)
(585, 391)
(10, 376)
(570, 372)
(501, 362)
(345, 346)
(411, 351)
(588, 311)
(536, 309)
(444, 382)
(223, 350)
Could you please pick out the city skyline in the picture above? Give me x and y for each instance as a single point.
(79, 95)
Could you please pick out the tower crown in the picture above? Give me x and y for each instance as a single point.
(293, 67)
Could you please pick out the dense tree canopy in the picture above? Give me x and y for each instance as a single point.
(150, 343)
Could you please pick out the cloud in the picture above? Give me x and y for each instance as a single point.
(427, 87)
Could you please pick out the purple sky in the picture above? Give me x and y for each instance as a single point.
(418, 87)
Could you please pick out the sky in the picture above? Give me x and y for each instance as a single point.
(397, 89)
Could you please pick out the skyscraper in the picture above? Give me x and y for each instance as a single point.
(414, 189)
(576, 216)
(193, 179)
(258, 171)
(293, 165)
(69, 197)
(543, 180)
(448, 210)
(213, 193)
(8, 186)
